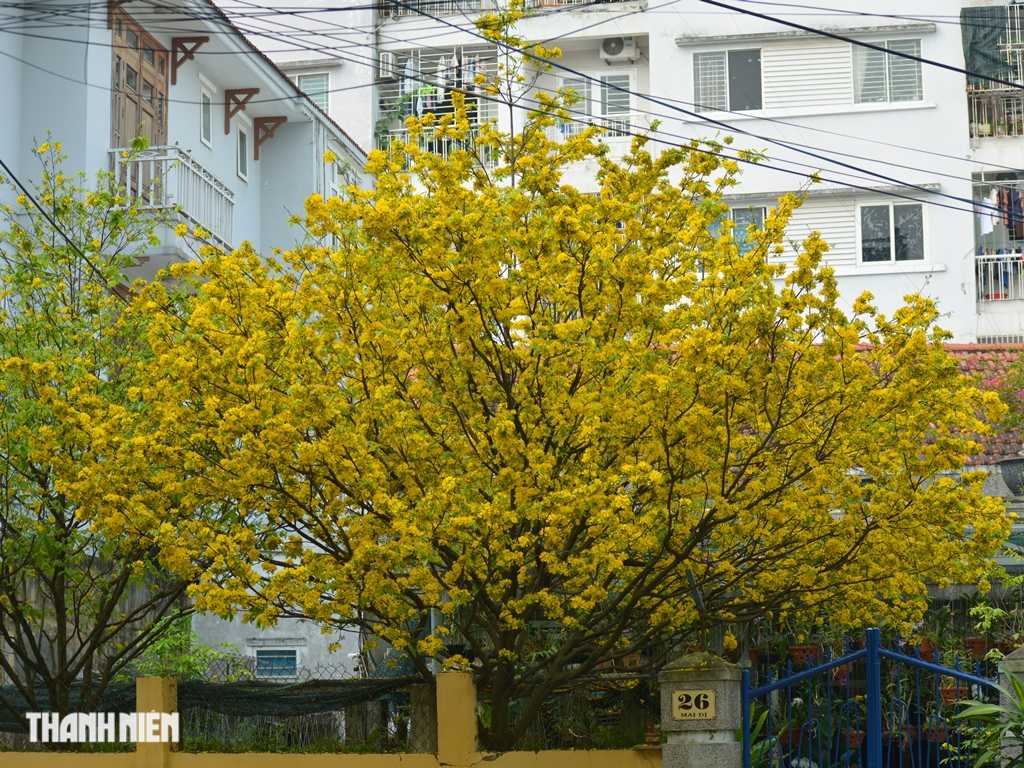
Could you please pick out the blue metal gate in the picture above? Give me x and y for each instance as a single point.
(877, 707)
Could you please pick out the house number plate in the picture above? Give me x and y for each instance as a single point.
(693, 705)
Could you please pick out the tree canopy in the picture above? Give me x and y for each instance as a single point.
(484, 414)
(76, 606)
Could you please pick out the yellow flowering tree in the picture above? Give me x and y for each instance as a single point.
(76, 606)
(510, 426)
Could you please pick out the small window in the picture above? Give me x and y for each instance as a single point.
(147, 91)
(879, 77)
(892, 232)
(117, 71)
(160, 108)
(160, 64)
(149, 54)
(206, 117)
(606, 97)
(243, 153)
(317, 87)
(117, 28)
(277, 663)
(133, 39)
(743, 218)
(131, 78)
(727, 80)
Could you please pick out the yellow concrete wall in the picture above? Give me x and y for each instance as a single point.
(610, 758)
(456, 744)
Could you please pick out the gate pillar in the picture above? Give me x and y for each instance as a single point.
(701, 711)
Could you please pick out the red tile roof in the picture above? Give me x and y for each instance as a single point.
(989, 363)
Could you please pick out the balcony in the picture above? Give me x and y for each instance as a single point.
(560, 3)
(619, 129)
(170, 178)
(427, 141)
(1001, 277)
(434, 7)
(996, 113)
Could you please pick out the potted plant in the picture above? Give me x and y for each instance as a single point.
(798, 728)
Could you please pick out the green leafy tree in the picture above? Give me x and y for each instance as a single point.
(76, 605)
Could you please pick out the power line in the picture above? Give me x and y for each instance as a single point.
(789, 145)
(57, 228)
(872, 46)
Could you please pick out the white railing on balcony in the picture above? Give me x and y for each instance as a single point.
(434, 7)
(559, 3)
(1000, 278)
(618, 132)
(428, 141)
(995, 113)
(169, 177)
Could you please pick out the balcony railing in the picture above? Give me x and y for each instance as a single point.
(1000, 278)
(996, 113)
(428, 141)
(434, 7)
(168, 177)
(559, 3)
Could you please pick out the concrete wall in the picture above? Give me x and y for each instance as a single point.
(456, 741)
(304, 637)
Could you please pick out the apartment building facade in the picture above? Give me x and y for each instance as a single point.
(921, 184)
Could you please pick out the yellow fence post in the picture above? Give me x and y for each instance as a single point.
(456, 718)
(154, 694)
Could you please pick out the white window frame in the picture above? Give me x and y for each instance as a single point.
(242, 157)
(205, 100)
(892, 234)
(327, 93)
(702, 109)
(888, 58)
(277, 649)
(581, 110)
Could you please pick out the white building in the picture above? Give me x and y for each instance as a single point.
(231, 140)
(903, 147)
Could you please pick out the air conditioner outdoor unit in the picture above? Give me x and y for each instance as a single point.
(386, 66)
(618, 49)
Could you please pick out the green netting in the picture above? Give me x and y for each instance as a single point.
(241, 699)
(981, 30)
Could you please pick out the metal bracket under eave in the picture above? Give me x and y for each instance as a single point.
(235, 100)
(265, 129)
(184, 49)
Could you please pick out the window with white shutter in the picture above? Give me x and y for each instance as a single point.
(710, 81)
(317, 87)
(882, 77)
(727, 80)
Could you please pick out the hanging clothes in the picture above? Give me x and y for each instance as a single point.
(981, 210)
(407, 87)
(476, 71)
(439, 79)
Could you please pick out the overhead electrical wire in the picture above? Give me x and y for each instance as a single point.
(304, 12)
(698, 116)
(332, 51)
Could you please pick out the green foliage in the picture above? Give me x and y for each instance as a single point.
(999, 726)
(179, 654)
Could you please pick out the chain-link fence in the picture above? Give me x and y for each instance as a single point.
(237, 707)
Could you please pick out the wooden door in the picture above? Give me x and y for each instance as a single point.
(139, 77)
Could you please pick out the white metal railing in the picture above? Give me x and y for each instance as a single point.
(428, 141)
(434, 7)
(168, 176)
(1000, 278)
(557, 3)
(996, 113)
